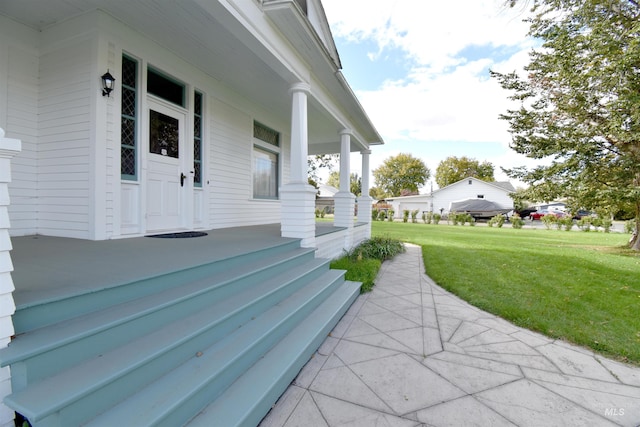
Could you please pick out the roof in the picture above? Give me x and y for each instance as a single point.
(327, 190)
(502, 185)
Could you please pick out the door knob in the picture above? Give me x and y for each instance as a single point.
(182, 178)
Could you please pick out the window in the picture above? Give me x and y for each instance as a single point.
(197, 139)
(164, 87)
(129, 119)
(266, 156)
(470, 182)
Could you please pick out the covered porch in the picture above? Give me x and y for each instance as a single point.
(50, 268)
(123, 327)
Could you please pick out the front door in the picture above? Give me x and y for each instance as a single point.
(167, 184)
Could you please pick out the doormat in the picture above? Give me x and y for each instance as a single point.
(182, 235)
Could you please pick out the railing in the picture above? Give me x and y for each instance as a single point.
(9, 147)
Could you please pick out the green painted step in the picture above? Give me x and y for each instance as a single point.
(251, 397)
(29, 317)
(52, 349)
(95, 385)
(182, 392)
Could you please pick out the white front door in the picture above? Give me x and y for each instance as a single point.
(167, 183)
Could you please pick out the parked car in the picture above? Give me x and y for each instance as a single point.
(582, 213)
(539, 214)
(525, 212)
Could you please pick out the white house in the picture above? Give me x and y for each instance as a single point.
(123, 119)
(325, 200)
(439, 201)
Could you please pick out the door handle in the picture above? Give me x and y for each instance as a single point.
(182, 178)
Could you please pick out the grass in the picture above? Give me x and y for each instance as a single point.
(581, 287)
(363, 270)
(364, 261)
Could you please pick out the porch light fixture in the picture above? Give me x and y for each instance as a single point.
(108, 82)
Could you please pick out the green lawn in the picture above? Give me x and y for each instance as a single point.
(582, 287)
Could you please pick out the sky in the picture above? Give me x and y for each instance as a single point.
(420, 69)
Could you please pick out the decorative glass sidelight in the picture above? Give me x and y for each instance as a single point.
(129, 119)
(197, 139)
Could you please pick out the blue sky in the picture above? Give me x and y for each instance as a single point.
(421, 71)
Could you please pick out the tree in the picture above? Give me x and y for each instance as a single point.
(402, 172)
(355, 182)
(579, 104)
(318, 162)
(453, 169)
(334, 179)
(377, 193)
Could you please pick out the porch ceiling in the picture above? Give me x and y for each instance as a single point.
(203, 32)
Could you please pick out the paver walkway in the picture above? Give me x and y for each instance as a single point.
(411, 354)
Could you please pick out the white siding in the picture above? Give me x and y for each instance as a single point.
(63, 148)
(455, 192)
(231, 201)
(21, 82)
(462, 190)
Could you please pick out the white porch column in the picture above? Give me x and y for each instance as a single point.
(8, 149)
(365, 201)
(344, 200)
(297, 197)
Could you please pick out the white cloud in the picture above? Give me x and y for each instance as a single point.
(444, 96)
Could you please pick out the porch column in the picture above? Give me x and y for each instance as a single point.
(8, 149)
(344, 200)
(365, 201)
(297, 197)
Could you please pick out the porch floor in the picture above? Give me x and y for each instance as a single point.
(49, 268)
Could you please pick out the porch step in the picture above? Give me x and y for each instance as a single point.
(188, 390)
(33, 316)
(160, 358)
(251, 397)
(51, 349)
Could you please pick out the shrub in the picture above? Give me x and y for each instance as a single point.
(548, 220)
(382, 216)
(429, 217)
(414, 216)
(471, 220)
(436, 218)
(405, 215)
(606, 225)
(497, 220)
(380, 248)
(390, 215)
(565, 222)
(375, 214)
(630, 226)
(584, 224)
(454, 218)
(516, 222)
(317, 213)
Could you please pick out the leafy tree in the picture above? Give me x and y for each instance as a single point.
(453, 169)
(377, 193)
(334, 179)
(355, 182)
(579, 104)
(318, 162)
(401, 172)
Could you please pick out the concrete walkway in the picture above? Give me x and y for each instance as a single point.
(411, 354)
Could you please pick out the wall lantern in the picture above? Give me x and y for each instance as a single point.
(108, 83)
